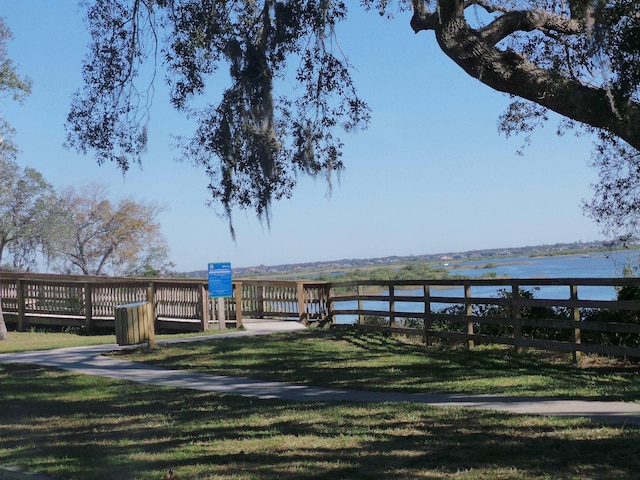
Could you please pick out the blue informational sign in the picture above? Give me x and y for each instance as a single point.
(220, 280)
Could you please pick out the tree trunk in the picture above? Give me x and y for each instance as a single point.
(4, 335)
(504, 70)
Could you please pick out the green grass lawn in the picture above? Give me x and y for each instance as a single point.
(348, 359)
(33, 340)
(75, 426)
(80, 427)
(45, 340)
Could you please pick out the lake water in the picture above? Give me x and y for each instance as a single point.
(600, 265)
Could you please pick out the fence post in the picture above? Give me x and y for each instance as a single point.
(360, 304)
(392, 306)
(151, 298)
(328, 291)
(88, 308)
(221, 313)
(204, 307)
(575, 331)
(427, 321)
(302, 310)
(468, 311)
(238, 297)
(4, 335)
(261, 290)
(21, 306)
(516, 312)
(151, 322)
(151, 314)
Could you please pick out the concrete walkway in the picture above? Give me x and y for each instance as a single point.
(90, 361)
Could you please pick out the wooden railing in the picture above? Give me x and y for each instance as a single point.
(470, 311)
(33, 300)
(303, 301)
(553, 314)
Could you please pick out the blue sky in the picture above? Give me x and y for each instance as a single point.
(430, 175)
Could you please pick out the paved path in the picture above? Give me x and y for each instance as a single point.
(90, 361)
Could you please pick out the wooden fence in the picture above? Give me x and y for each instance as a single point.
(554, 314)
(36, 300)
(558, 314)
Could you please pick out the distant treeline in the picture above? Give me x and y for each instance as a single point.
(412, 271)
(336, 267)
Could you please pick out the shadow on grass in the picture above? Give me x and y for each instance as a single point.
(81, 427)
(357, 360)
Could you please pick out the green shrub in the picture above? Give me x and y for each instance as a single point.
(626, 293)
(500, 310)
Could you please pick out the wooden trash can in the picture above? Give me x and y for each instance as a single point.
(135, 324)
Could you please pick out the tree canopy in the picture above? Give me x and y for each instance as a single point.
(578, 58)
(103, 237)
(30, 215)
(13, 87)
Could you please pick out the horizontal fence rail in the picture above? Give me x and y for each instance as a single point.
(32, 300)
(565, 314)
(570, 314)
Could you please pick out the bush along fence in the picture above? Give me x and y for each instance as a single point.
(571, 314)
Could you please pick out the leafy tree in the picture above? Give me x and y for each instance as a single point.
(103, 237)
(578, 58)
(30, 217)
(253, 143)
(16, 88)
(12, 87)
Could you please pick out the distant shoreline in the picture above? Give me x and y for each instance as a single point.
(346, 265)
